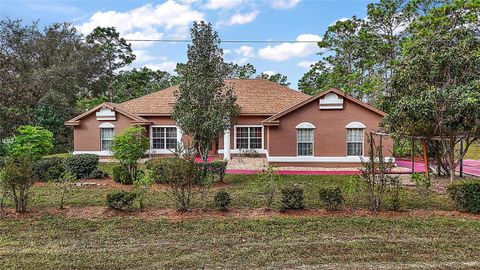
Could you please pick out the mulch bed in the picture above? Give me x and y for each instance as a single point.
(98, 212)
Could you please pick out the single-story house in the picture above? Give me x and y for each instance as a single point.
(290, 128)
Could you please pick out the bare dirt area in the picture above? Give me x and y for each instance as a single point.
(98, 212)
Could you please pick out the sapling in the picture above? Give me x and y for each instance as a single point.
(143, 185)
(65, 184)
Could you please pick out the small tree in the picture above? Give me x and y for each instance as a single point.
(267, 180)
(143, 185)
(376, 173)
(16, 178)
(205, 106)
(65, 184)
(31, 141)
(129, 147)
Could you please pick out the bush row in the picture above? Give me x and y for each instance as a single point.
(82, 166)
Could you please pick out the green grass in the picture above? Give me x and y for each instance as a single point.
(473, 151)
(328, 242)
(244, 190)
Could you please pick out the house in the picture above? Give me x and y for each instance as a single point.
(290, 128)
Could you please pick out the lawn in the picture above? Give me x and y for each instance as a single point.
(473, 151)
(244, 190)
(232, 243)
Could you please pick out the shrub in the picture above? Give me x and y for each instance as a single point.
(218, 167)
(121, 200)
(157, 167)
(65, 183)
(16, 178)
(49, 169)
(292, 197)
(129, 147)
(2, 162)
(331, 197)
(121, 175)
(31, 141)
(81, 165)
(222, 200)
(267, 182)
(143, 185)
(98, 174)
(466, 194)
(181, 175)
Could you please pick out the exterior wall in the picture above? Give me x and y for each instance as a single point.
(87, 135)
(330, 133)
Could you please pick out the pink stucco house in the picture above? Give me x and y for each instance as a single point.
(290, 128)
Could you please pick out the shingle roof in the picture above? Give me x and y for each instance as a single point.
(254, 96)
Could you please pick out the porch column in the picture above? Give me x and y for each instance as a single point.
(179, 136)
(226, 144)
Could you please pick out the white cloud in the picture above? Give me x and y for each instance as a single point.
(269, 72)
(143, 56)
(239, 18)
(164, 66)
(305, 64)
(288, 50)
(284, 4)
(226, 51)
(246, 51)
(147, 33)
(222, 4)
(170, 15)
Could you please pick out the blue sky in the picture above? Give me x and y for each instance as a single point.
(233, 19)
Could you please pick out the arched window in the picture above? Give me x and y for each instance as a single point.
(305, 139)
(106, 136)
(355, 138)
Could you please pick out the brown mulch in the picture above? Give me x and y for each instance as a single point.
(98, 212)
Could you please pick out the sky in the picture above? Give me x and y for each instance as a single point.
(232, 19)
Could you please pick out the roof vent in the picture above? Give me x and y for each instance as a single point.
(331, 101)
(105, 113)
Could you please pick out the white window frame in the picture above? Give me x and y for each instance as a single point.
(363, 141)
(162, 150)
(106, 126)
(312, 142)
(249, 126)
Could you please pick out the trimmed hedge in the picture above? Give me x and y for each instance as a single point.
(49, 169)
(121, 175)
(466, 194)
(331, 197)
(121, 200)
(292, 197)
(81, 165)
(98, 174)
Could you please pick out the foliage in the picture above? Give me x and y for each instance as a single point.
(205, 106)
(97, 174)
(435, 87)
(376, 172)
(394, 192)
(292, 197)
(31, 141)
(129, 147)
(121, 175)
(236, 71)
(143, 185)
(331, 197)
(466, 194)
(222, 200)
(181, 174)
(135, 83)
(65, 183)
(49, 169)
(121, 200)
(267, 181)
(276, 78)
(81, 165)
(16, 179)
(44, 71)
(113, 53)
(422, 181)
(157, 169)
(218, 167)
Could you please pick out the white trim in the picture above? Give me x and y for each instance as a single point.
(331, 101)
(160, 151)
(305, 125)
(163, 151)
(356, 125)
(98, 153)
(226, 144)
(237, 151)
(105, 113)
(313, 142)
(363, 141)
(235, 137)
(348, 159)
(107, 125)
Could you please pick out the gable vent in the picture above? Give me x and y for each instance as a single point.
(331, 101)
